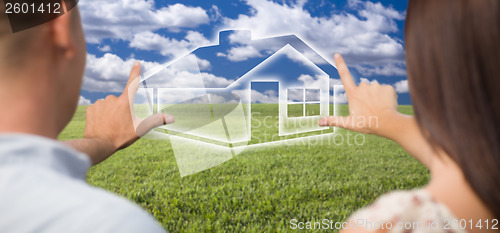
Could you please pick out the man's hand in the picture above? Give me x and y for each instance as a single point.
(111, 124)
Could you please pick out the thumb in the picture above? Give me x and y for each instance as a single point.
(151, 122)
(338, 121)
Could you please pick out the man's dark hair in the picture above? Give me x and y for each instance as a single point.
(34, 12)
(17, 31)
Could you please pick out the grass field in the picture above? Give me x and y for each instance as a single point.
(260, 190)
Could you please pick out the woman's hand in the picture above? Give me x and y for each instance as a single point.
(373, 109)
(371, 106)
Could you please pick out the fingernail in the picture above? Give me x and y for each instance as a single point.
(137, 63)
(337, 55)
(322, 122)
(168, 119)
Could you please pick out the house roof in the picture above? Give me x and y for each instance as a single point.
(237, 54)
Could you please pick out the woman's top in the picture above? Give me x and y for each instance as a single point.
(407, 211)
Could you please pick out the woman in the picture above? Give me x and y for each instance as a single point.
(453, 63)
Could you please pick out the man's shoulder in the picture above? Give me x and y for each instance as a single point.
(58, 202)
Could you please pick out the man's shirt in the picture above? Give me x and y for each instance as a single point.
(43, 189)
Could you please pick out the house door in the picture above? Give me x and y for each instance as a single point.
(264, 112)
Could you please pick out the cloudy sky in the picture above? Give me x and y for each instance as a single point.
(118, 32)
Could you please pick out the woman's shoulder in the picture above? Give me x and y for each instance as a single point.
(406, 211)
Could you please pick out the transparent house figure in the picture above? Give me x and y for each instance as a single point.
(236, 94)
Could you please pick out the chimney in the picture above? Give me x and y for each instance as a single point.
(237, 36)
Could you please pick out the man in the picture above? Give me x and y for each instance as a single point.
(42, 181)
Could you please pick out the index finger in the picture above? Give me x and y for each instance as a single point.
(344, 73)
(133, 78)
(132, 87)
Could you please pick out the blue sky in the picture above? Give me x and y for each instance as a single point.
(118, 32)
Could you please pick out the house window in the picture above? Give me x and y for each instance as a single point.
(303, 102)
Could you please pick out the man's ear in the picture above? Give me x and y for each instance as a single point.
(61, 34)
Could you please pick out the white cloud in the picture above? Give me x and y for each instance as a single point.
(212, 81)
(167, 46)
(204, 64)
(374, 9)
(353, 3)
(339, 98)
(401, 86)
(268, 96)
(310, 81)
(84, 101)
(295, 95)
(336, 82)
(105, 48)
(240, 37)
(363, 39)
(109, 73)
(385, 69)
(121, 19)
(218, 99)
(188, 72)
(215, 13)
(305, 58)
(191, 63)
(241, 53)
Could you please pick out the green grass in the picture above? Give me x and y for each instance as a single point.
(260, 190)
